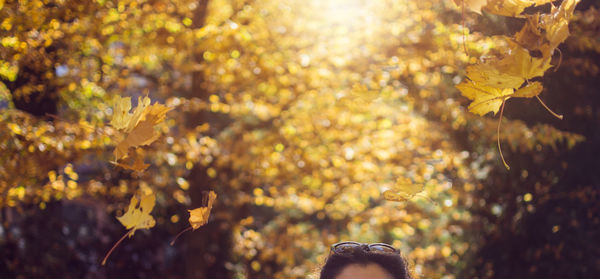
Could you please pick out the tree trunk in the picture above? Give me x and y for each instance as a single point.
(207, 249)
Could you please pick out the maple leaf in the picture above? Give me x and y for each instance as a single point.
(138, 214)
(485, 98)
(199, 216)
(133, 162)
(493, 82)
(139, 126)
(489, 75)
(511, 71)
(122, 119)
(531, 34)
(545, 32)
(556, 32)
(529, 91)
(521, 64)
(556, 24)
(142, 134)
(137, 217)
(403, 190)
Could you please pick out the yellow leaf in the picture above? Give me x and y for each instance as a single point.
(531, 90)
(199, 216)
(530, 36)
(122, 119)
(557, 32)
(556, 24)
(157, 112)
(138, 215)
(509, 72)
(142, 134)
(546, 31)
(485, 98)
(403, 190)
(520, 63)
(493, 82)
(489, 75)
(134, 162)
(139, 125)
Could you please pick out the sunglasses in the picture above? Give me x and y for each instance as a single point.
(349, 246)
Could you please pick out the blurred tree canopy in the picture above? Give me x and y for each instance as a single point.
(299, 115)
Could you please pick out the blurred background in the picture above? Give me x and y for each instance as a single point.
(299, 115)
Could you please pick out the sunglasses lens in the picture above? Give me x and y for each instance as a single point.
(345, 247)
(382, 248)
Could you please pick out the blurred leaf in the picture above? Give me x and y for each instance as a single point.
(403, 190)
(199, 216)
(138, 214)
(138, 125)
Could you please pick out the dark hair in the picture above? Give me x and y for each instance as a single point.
(391, 262)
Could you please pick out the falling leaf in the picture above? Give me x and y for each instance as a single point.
(545, 32)
(485, 98)
(489, 75)
(139, 126)
(556, 24)
(133, 162)
(531, 35)
(557, 32)
(521, 64)
(493, 82)
(137, 217)
(403, 190)
(531, 90)
(142, 134)
(199, 216)
(510, 71)
(122, 119)
(138, 214)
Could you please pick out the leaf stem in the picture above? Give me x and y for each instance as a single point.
(559, 116)
(559, 60)
(498, 135)
(180, 233)
(115, 246)
(421, 194)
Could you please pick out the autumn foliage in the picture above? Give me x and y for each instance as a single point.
(258, 133)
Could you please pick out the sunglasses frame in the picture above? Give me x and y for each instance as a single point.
(336, 248)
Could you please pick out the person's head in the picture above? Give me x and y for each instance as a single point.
(353, 260)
